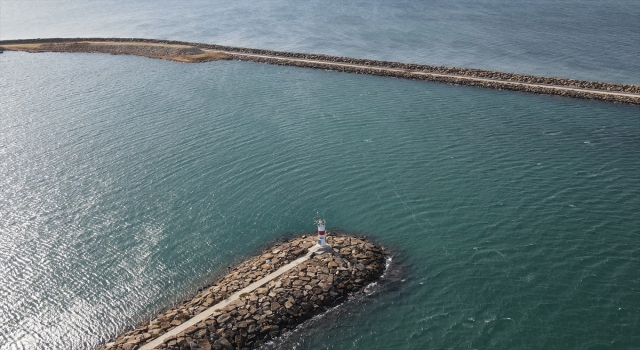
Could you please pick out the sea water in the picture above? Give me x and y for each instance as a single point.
(582, 39)
(127, 183)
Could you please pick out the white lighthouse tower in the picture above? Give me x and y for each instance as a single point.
(321, 239)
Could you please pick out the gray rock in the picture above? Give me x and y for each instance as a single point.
(224, 343)
(223, 318)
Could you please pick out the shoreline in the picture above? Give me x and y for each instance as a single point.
(264, 297)
(178, 53)
(198, 52)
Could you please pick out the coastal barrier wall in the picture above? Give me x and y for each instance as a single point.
(309, 288)
(450, 75)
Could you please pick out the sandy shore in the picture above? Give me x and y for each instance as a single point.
(198, 52)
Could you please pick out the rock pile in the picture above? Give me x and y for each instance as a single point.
(504, 81)
(273, 309)
(507, 84)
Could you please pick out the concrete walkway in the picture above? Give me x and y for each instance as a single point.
(458, 78)
(440, 75)
(219, 306)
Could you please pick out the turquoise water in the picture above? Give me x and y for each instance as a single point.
(583, 39)
(127, 183)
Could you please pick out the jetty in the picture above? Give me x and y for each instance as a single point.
(200, 52)
(265, 296)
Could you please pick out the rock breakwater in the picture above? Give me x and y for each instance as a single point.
(313, 286)
(622, 93)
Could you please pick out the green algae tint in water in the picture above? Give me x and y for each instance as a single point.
(127, 183)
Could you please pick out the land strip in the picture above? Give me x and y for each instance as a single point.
(607, 95)
(198, 52)
(263, 297)
(173, 52)
(216, 309)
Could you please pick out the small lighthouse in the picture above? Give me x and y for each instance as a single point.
(321, 240)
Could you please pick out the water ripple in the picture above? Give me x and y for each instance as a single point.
(123, 192)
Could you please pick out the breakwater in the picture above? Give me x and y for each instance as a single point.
(240, 311)
(622, 93)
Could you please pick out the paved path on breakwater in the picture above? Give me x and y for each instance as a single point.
(623, 93)
(216, 308)
(435, 75)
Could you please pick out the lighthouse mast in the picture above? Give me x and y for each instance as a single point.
(321, 224)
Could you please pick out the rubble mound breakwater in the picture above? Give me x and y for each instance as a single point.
(325, 279)
(622, 93)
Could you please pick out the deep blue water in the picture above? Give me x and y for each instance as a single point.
(126, 183)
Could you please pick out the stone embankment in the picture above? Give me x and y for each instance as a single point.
(308, 289)
(623, 93)
(460, 76)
